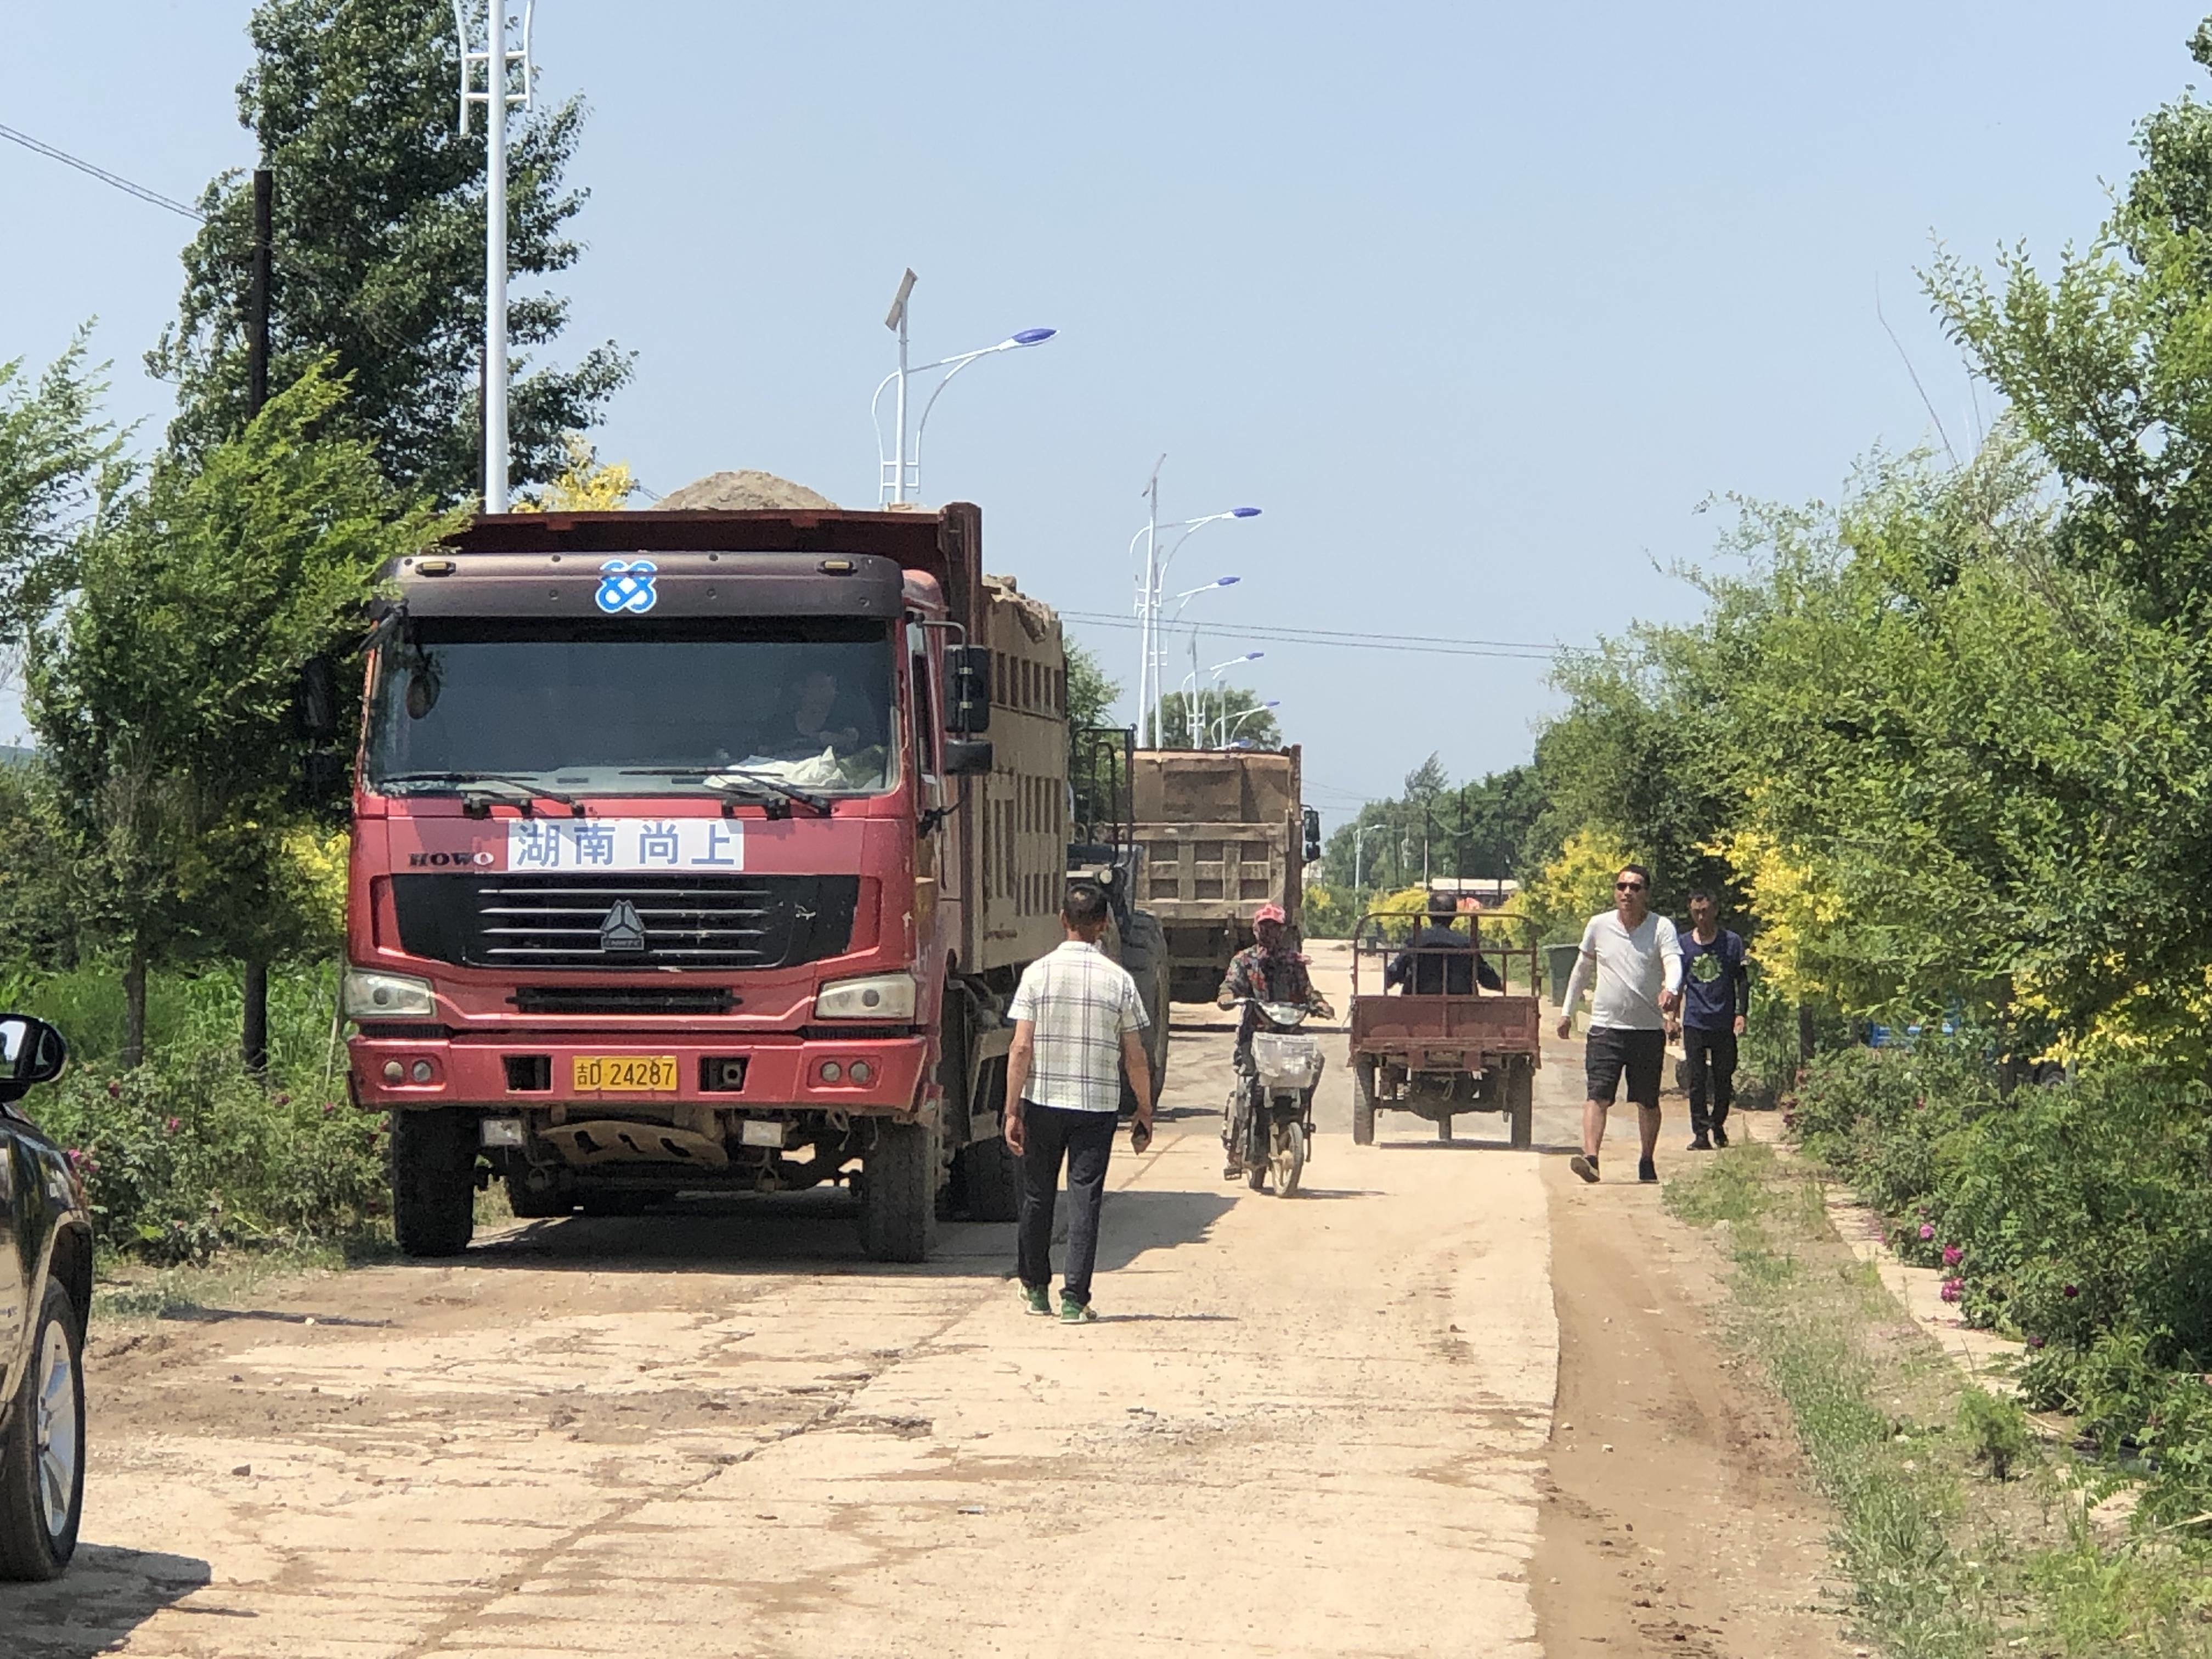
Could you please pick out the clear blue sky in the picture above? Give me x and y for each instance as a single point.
(1477, 302)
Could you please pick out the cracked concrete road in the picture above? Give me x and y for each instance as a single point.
(1314, 1426)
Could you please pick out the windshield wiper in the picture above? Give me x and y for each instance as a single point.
(721, 779)
(531, 790)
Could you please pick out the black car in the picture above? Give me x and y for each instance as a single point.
(46, 1290)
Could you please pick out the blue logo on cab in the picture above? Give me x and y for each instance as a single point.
(626, 584)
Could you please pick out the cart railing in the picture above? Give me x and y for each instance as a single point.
(1507, 943)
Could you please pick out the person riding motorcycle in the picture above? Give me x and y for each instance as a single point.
(1270, 971)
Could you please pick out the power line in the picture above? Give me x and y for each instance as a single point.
(1504, 650)
(117, 179)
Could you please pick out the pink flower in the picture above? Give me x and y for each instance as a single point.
(114, 1088)
(2070, 1292)
(284, 1100)
(171, 1125)
(1953, 1289)
(329, 1107)
(2035, 1341)
(1952, 1256)
(1926, 1230)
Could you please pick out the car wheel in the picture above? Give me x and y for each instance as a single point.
(42, 1456)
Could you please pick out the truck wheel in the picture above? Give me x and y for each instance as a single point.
(994, 1174)
(433, 1188)
(1363, 1101)
(42, 1456)
(898, 1201)
(1444, 1126)
(1521, 1104)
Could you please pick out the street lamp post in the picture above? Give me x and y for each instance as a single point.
(1150, 664)
(898, 478)
(497, 63)
(1224, 726)
(1190, 680)
(1359, 841)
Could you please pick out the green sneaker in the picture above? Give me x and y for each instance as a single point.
(1076, 1312)
(1037, 1299)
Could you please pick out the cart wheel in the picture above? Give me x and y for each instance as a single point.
(1443, 1127)
(1521, 1105)
(1363, 1101)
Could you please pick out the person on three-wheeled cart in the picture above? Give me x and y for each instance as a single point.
(1270, 971)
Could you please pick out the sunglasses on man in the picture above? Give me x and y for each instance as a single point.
(1628, 887)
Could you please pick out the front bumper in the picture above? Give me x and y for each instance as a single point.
(780, 1073)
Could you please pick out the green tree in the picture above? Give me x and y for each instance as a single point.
(59, 464)
(162, 691)
(1092, 693)
(1230, 711)
(378, 250)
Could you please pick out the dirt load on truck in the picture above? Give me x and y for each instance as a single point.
(699, 849)
(1224, 832)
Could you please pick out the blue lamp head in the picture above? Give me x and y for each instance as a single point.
(1252, 656)
(1227, 582)
(1030, 337)
(1273, 702)
(1243, 512)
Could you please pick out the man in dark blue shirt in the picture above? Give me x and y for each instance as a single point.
(1715, 999)
(1438, 962)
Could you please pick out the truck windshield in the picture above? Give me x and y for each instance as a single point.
(602, 706)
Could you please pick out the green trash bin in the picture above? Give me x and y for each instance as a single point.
(1559, 966)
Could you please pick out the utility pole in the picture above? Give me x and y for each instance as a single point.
(253, 987)
(498, 64)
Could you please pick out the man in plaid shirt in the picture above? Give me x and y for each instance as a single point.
(1078, 1022)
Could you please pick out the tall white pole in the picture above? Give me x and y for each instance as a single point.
(898, 448)
(495, 434)
(1148, 617)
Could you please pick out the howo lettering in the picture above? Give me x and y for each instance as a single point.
(682, 860)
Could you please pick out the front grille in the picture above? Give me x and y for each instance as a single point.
(614, 922)
(620, 999)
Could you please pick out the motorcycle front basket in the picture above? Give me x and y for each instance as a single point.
(1287, 1060)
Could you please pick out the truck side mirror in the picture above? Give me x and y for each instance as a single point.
(968, 694)
(1313, 835)
(31, 1052)
(322, 776)
(966, 757)
(315, 701)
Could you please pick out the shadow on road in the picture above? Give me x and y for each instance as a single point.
(1460, 1144)
(107, 1594)
(814, 1233)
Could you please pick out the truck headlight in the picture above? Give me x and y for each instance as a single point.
(880, 999)
(386, 996)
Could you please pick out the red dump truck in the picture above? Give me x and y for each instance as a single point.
(698, 850)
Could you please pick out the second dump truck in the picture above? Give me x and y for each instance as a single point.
(700, 850)
(1223, 832)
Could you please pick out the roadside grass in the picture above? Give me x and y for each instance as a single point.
(1961, 1536)
(125, 1290)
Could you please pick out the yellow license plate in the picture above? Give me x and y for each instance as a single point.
(641, 1074)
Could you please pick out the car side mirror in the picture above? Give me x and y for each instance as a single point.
(1313, 835)
(315, 701)
(32, 1052)
(968, 694)
(965, 757)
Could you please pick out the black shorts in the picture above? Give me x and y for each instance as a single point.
(1610, 1051)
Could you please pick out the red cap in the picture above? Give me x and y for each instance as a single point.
(1268, 913)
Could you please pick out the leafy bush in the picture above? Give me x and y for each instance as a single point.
(2077, 1215)
(1996, 1431)
(192, 1152)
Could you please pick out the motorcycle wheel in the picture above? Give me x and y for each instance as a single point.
(1287, 1156)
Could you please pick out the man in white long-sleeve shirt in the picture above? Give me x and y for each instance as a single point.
(1636, 960)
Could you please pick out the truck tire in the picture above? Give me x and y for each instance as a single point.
(42, 1456)
(898, 1199)
(994, 1174)
(1144, 954)
(1363, 1101)
(1521, 1104)
(434, 1187)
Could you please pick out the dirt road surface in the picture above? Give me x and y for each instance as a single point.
(1324, 1425)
